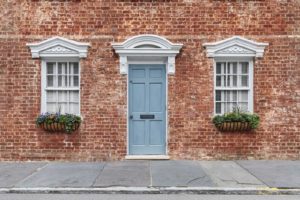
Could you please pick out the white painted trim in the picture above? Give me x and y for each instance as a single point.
(146, 60)
(147, 157)
(43, 87)
(157, 47)
(251, 77)
(58, 47)
(146, 39)
(235, 46)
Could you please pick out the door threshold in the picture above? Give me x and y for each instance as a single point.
(147, 157)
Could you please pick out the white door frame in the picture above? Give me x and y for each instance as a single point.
(144, 60)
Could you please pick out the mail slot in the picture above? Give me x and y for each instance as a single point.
(147, 116)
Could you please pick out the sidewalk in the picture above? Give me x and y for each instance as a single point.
(222, 177)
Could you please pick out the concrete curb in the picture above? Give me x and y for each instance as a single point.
(150, 190)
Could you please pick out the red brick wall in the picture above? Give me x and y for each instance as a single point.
(102, 135)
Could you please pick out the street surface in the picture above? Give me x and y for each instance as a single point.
(141, 197)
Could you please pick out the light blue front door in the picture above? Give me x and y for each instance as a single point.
(147, 109)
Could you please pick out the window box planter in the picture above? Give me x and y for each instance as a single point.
(234, 126)
(58, 127)
(67, 123)
(236, 121)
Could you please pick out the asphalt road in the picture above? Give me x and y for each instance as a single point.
(141, 197)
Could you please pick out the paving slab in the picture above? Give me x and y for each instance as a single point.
(179, 173)
(11, 173)
(124, 173)
(230, 174)
(279, 173)
(71, 174)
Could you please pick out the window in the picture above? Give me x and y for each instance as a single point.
(61, 87)
(60, 78)
(233, 72)
(233, 86)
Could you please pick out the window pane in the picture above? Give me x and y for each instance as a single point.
(228, 68)
(50, 81)
(244, 67)
(62, 67)
(245, 80)
(51, 96)
(226, 107)
(66, 81)
(234, 96)
(235, 106)
(223, 95)
(63, 107)
(66, 69)
(218, 81)
(74, 96)
(218, 95)
(243, 96)
(243, 107)
(70, 81)
(223, 81)
(63, 96)
(218, 108)
(228, 81)
(75, 67)
(60, 81)
(74, 108)
(218, 68)
(76, 80)
(50, 68)
(51, 107)
(234, 69)
(227, 96)
(234, 81)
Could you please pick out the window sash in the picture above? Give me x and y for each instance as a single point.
(232, 75)
(62, 75)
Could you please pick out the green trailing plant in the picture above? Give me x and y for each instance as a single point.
(69, 121)
(237, 116)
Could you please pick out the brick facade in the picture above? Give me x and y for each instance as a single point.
(191, 135)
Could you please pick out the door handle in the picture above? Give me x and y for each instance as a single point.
(131, 117)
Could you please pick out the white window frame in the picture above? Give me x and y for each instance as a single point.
(57, 49)
(236, 49)
(44, 81)
(250, 85)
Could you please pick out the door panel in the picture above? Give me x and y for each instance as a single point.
(138, 100)
(138, 126)
(155, 130)
(147, 103)
(156, 93)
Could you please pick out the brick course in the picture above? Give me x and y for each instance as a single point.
(102, 135)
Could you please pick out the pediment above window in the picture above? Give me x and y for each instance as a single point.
(141, 46)
(58, 47)
(235, 47)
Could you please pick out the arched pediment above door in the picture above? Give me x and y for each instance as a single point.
(142, 46)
